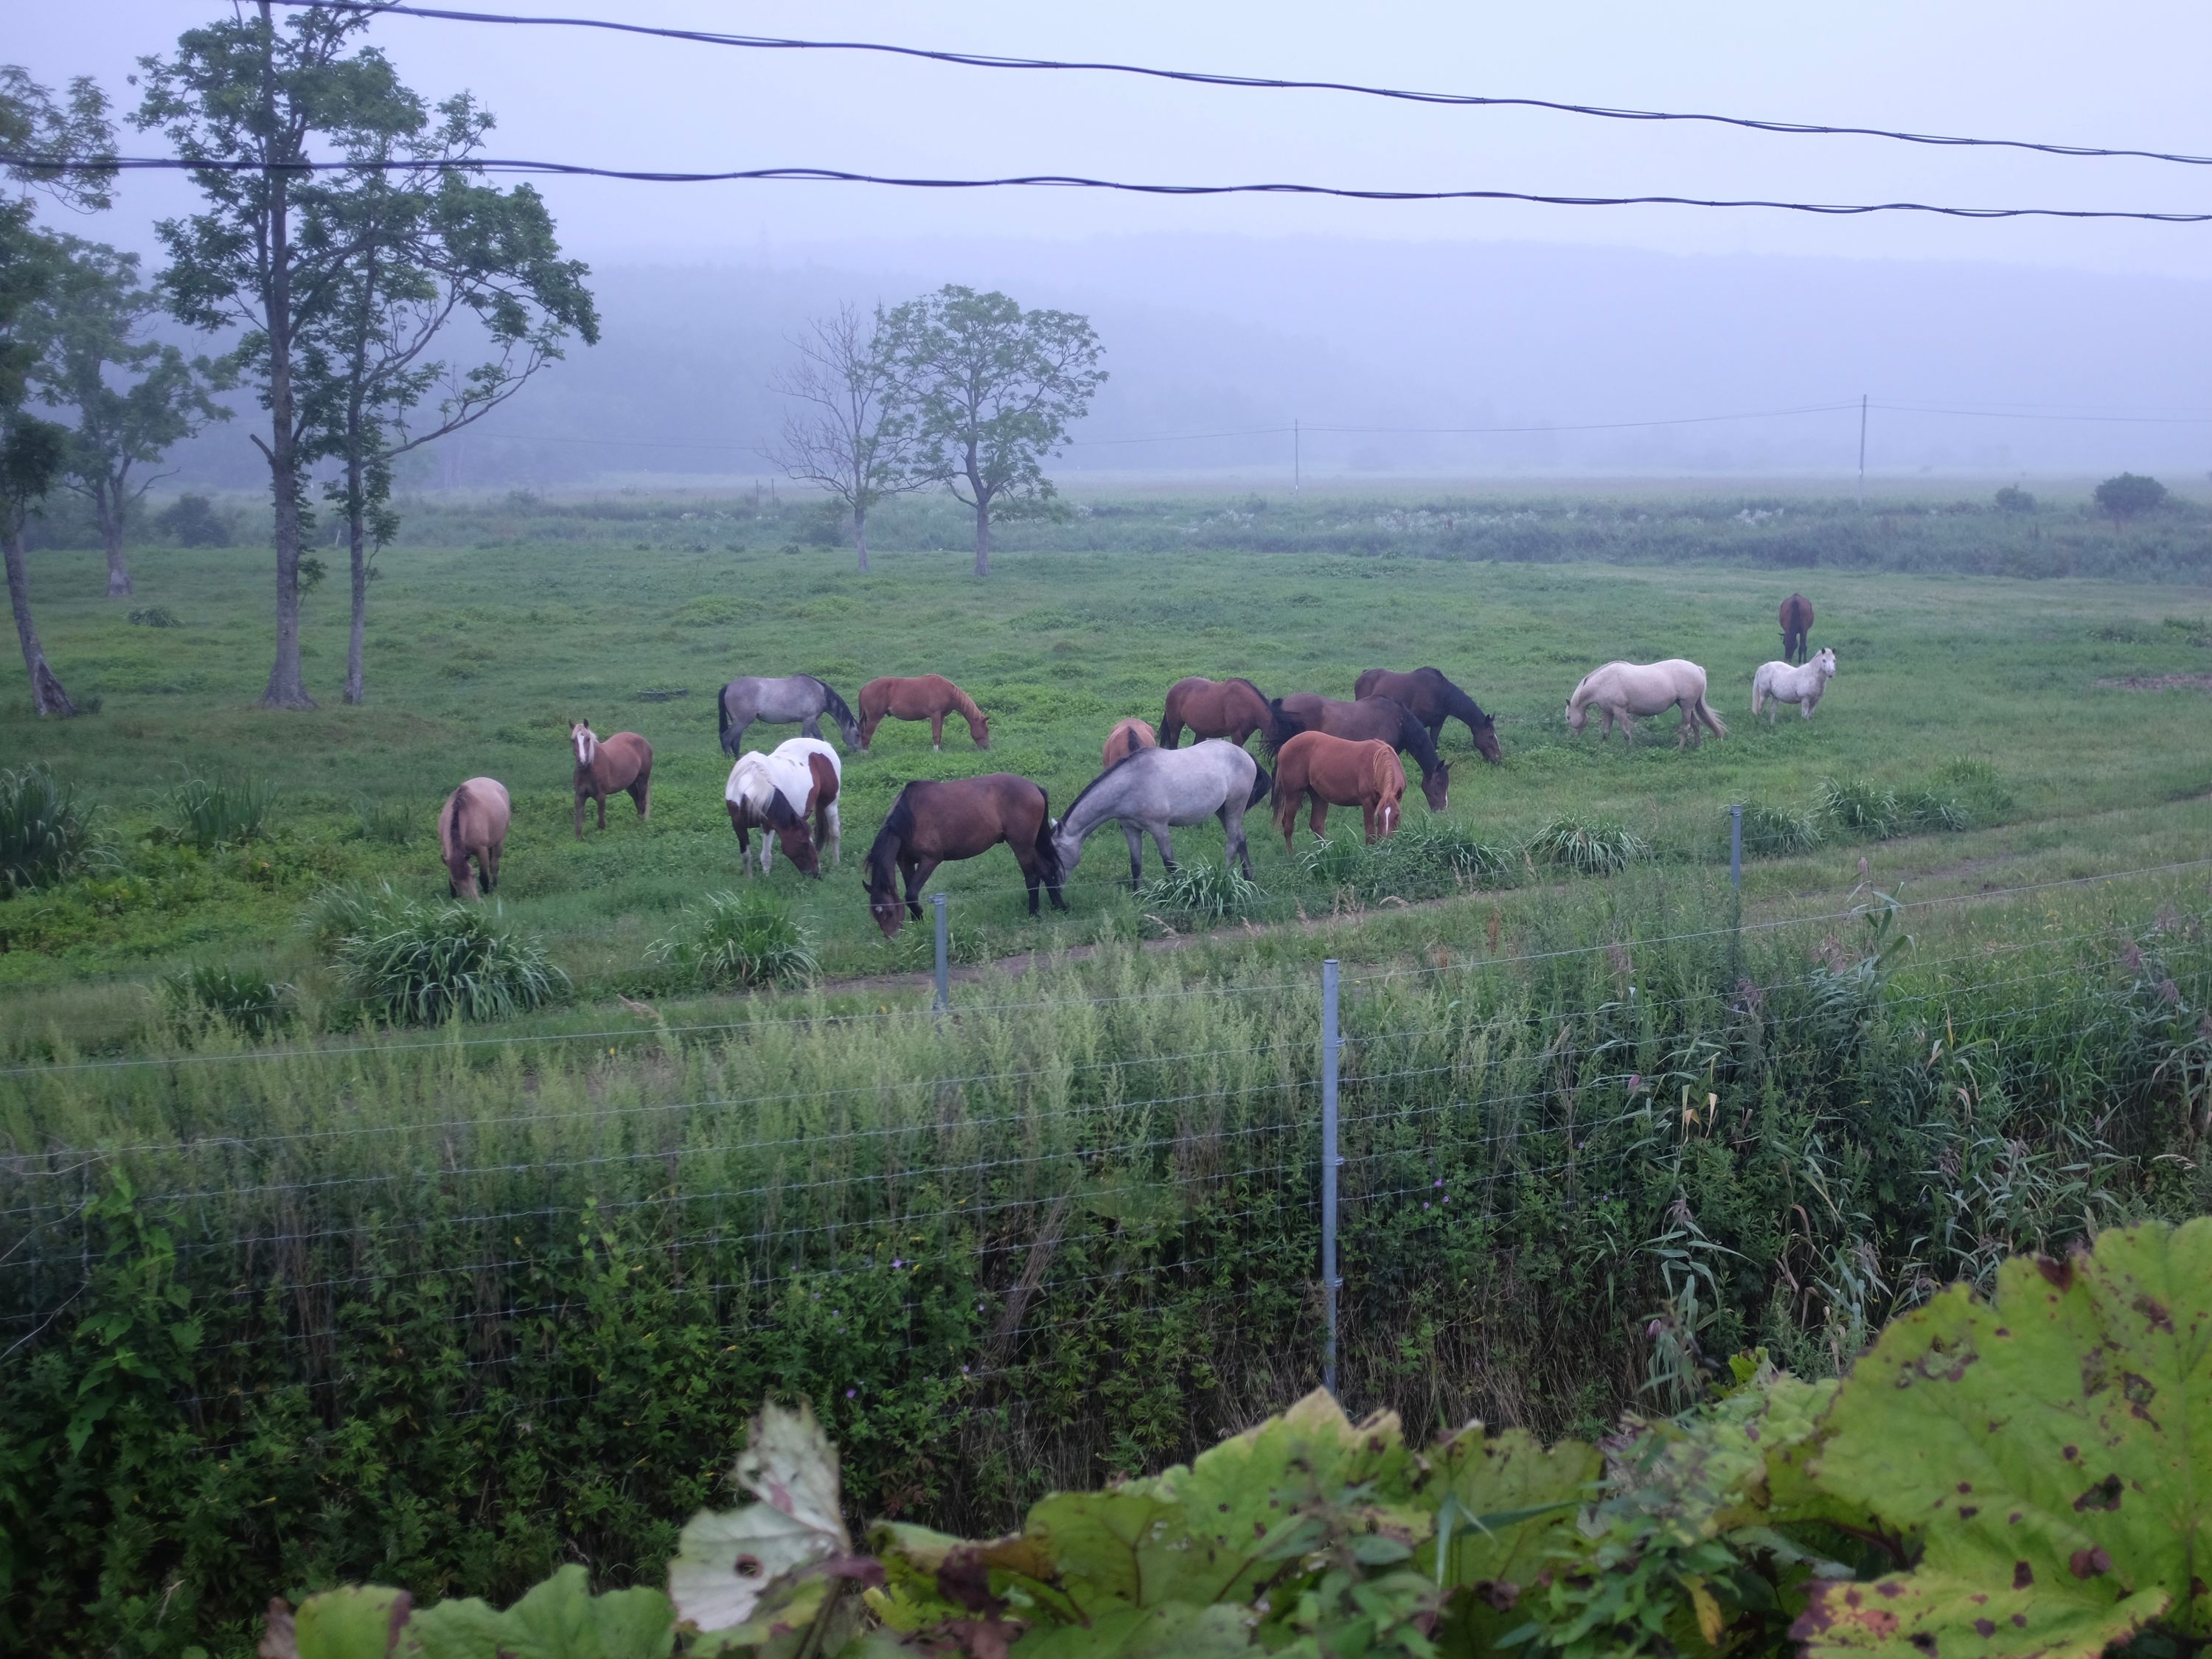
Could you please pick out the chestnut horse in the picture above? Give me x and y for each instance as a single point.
(1338, 772)
(1384, 719)
(774, 793)
(1796, 616)
(1234, 709)
(472, 823)
(927, 697)
(610, 766)
(1433, 700)
(959, 818)
(1126, 738)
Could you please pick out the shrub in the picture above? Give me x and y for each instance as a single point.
(1778, 831)
(2013, 499)
(745, 939)
(1333, 862)
(1589, 846)
(1859, 808)
(46, 834)
(220, 811)
(155, 616)
(2130, 496)
(1202, 891)
(196, 997)
(409, 963)
(192, 521)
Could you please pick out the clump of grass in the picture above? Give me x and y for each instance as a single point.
(1977, 784)
(1201, 890)
(388, 822)
(1588, 846)
(155, 616)
(1857, 807)
(209, 812)
(745, 939)
(1771, 831)
(1333, 862)
(409, 963)
(1926, 810)
(1452, 850)
(205, 994)
(346, 907)
(45, 832)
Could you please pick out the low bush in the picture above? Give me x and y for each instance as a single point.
(409, 963)
(46, 833)
(1771, 832)
(739, 939)
(193, 520)
(1447, 848)
(1201, 890)
(222, 811)
(1588, 847)
(205, 993)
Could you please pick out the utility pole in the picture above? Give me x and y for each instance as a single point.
(1297, 465)
(1863, 414)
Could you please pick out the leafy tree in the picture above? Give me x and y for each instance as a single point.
(2128, 496)
(854, 434)
(995, 389)
(2013, 499)
(192, 521)
(87, 326)
(246, 102)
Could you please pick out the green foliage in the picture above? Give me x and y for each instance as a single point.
(192, 520)
(221, 812)
(1976, 785)
(155, 616)
(245, 1001)
(2130, 495)
(1772, 831)
(1588, 846)
(1857, 807)
(389, 823)
(746, 940)
(1199, 890)
(409, 963)
(1438, 855)
(46, 833)
(2013, 499)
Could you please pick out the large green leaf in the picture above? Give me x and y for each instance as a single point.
(1500, 1500)
(2054, 1447)
(358, 1622)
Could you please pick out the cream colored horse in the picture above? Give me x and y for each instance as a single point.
(1621, 690)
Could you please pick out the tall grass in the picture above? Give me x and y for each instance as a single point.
(1588, 846)
(409, 963)
(1772, 831)
(220, 811)
(746, 940)
(208, 993)
(46, 831)
(1201, 890)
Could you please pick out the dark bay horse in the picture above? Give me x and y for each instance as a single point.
(1234, 709)
(1797, 628)
(798, 697)
(926, 697)
(472, 823)
(614, 765)
(1126, 738)
(1382, 719)
(959, 818)
(1433, 700)
(1338, 772)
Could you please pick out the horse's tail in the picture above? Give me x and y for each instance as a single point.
(1129, 744)
(1705, 714)
(1262, 783)
(1048, 854)
(1758, 691)
(722, 721)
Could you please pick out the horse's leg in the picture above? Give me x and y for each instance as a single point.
(491, 861)
(580, 814)
(1160, 840)
(641, 793)
(867, 731)
(1318, 820)
(600, 796)
(937, 732)
(918, 870)
(1134, 835)
(1233, 827)
(811, 724)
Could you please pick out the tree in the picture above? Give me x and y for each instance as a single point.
(2128, 496)
(242, 100)
(994, 389)
(86, 325)
(856, 434)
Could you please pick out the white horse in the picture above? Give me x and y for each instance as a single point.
(1155, 790)
(1619, 690)
(773, 792)
(1778, 683)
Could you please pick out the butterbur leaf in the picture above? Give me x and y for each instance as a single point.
(2054, 1443)
(789, 1464)
(1507, 1497)
(358, 1622)
(560, 1619)
(726, 1563)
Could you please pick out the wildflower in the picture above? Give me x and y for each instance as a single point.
(852, 1394)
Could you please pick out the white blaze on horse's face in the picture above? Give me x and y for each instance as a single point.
(587, 746)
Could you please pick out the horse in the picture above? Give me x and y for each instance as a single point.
(473, 824)
(1778, 683)
(1155, 790)
(930, 698)
(1621, 690)
(610, 766)
(1796, 616)
(959, 818)
(798, 697)
(1433, 700)
(775, 791)
(1126, 738)
(1338, 772)
(1234, 709)
(1381, 718)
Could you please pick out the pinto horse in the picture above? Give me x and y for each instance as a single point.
(1796, 616)
(1234, 709)
(928, 697)
(1381, 718)
(1126, 738)
(959, 818)
(1433, 700)
(1338, 772)
(472, 823)
(774, 793)
(610, 766)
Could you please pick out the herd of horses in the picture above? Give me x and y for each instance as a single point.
(1328, 752)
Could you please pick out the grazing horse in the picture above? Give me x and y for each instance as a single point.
(1778, 683)
(959, 818)
(775, 791)
(1234, 709)
(930, 698)
(1381, 718)
(1157, 789)
(1126, 738)
(610, 766)
(1620, 690)
(1338, 772)
(798, 697)
(472, 823)
(1796, 627)
(1433, 700)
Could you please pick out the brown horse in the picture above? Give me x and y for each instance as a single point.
(1234, 709)
(610, 766)
(1338, 772)
(472, 823)
(1126, 738)
(774, 793)
(926, 697)
(1797, 628)
(1433, 700)
(1382, 719)
(959, 818)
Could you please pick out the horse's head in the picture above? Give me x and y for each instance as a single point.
(1066, 849)
(581, 740)
(884, 901)
(980, 729)
(1435, 787)
(1486, 739)
(1577, 716)
(790, 829)
(1825, 660)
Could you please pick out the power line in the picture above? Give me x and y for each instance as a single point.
(1255, 83)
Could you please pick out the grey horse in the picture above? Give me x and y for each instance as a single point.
(1155, 789)
(798, 697)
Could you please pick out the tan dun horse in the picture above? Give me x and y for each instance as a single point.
(610, 766)
(926, 697)
(1796, 618)
(472, 823)
(1234, 709)
(959, 818)
(1338, 772)
(1126, 738)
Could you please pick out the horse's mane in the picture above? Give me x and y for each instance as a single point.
(836, 703)
(452, 837)
(885, 849)
(1239, 679)
(1414, 736)
(1100, 779)
(966, 705)
(1456, 701)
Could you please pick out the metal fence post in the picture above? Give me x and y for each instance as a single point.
(1735, 847)
(1329, 1161)
(944, 974)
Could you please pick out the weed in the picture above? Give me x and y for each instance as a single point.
(1588, 846)
(1771, 831)
(416, 964)
(348, 907)
(219, 812)
(743, 939)
(46, 833)
(204, 994)
(1201, 890)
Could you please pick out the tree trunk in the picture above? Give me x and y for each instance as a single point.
(47, 697)
(285, 690)
(110, 505)
(982, 512)
(357, 538)
(860, 536)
